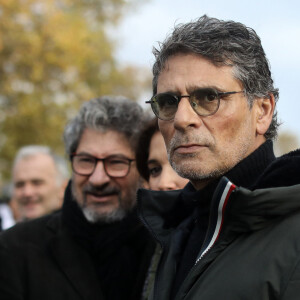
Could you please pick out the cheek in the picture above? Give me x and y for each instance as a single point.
(78, 182)
(181, 183)
(153, 182)
(224, 128)
(50, 185)
(17, 192)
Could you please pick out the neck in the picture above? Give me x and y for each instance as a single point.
(201, 184)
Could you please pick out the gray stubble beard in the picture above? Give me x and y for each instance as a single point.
(195, 175)
(116, 215)
(94, 217)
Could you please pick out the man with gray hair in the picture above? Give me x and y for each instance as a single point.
(234, 231)
(95, 247)
(39, 179)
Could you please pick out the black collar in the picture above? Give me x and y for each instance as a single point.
(244, 174)
(95, 236)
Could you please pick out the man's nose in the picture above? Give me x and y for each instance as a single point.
(185, 115)
(99, 176)
(28, 190)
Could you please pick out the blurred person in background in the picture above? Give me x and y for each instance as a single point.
(39, 179)
(95, 247)
(152, 160)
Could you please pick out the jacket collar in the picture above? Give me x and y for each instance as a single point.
(234, 209)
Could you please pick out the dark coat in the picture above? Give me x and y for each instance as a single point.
(39, 260)
(252, 245)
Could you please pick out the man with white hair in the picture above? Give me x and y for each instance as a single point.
(39, 180)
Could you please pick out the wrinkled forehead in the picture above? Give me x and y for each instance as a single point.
(186, 72)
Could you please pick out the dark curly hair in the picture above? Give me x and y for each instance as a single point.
(143, 145)
(106, 113)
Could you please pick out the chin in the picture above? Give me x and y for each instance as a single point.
(94, 216)
(191, 171)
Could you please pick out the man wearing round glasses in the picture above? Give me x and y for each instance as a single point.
(234, 231)
(95, 248)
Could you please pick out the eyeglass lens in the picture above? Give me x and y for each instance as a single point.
(204, 102)
(114, 166)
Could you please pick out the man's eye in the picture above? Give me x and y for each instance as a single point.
(19, 185)
(118, 162)
(201, 96)
(211, 97)
(155, 171)
(37, 182)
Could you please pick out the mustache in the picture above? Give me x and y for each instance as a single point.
(180, 139)
(27, 200)
(100, 190)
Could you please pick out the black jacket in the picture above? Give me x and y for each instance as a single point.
(42, 260)
(252, 246)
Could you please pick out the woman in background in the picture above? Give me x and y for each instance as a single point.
(153, 165)
(152, 161)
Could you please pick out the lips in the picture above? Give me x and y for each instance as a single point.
(189, 148)
(95, 191)
(30, 201)
(31, 204)
(100, 197)
(101, 194)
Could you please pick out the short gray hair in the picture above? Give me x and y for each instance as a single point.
(223, 43)
(59, 162)
(105, 113)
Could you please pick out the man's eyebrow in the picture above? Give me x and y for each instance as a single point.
(193, 88)
(83, 153)
(19, 182)
(37, 180)
(117, 155)
(170, 91)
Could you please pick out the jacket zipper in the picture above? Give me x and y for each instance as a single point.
(203, 254)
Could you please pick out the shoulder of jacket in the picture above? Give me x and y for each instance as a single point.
(31, 231)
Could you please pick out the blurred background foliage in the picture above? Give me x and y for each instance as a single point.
(55, 54)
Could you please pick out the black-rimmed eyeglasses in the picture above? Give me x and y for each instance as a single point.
(114, 165)
(204, 101)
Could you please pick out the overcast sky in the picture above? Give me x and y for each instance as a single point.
(276, 22)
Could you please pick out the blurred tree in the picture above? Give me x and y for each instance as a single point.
(54, 54)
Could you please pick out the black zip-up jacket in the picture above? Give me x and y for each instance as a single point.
(252, 245)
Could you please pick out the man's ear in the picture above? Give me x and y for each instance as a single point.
(265, 109)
